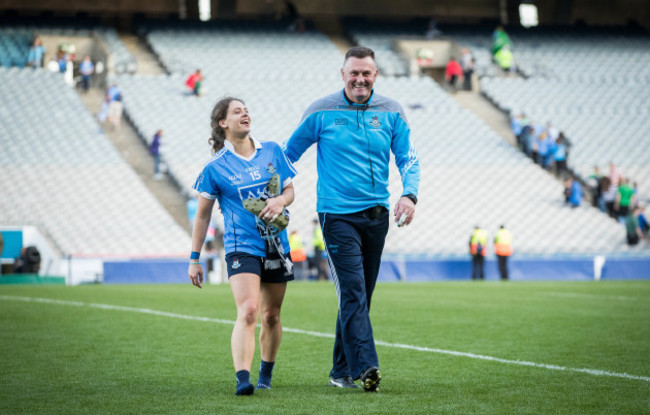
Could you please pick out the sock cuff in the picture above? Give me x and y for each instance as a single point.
(243, 376)
(266, 367)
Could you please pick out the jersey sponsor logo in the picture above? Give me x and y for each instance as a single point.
(375, 122)
(254, 190)
(271, 168)
(235, 179)
(341, 121)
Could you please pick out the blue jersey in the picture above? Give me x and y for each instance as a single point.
(354, 146)
(231, 179)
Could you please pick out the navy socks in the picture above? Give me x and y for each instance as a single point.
(266, 371)
(244, 386)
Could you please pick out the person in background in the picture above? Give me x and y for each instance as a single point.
(530, 134)
(453, 73)
(86, 69)
(194, 82)
(154, 150)
(625, 198)
(191, 205)
(61, 60)
(115, 110)
(503, 250)
(36, 53)
(609, 192)
(432, 29)
(477, 249)
(519, 127)
(298, 256)
(643, 221)
(500, 40)
(468, 63)
(505, 59)
(356, 130)
(111, 95)
(560, 154)
(244, 170)
(319, 248)
(596, 185)
(543, 150)
(573, 192)
(633, 228)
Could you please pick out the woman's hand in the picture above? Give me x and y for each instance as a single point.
(273, 209)
(195, 272)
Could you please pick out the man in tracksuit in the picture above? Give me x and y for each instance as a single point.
(356, 130)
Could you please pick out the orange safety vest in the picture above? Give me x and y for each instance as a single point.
(503, 242)
(298, 253)
(478, 237)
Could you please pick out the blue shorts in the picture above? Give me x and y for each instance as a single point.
(244, 263)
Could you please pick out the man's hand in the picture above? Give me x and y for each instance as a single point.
(405, 206)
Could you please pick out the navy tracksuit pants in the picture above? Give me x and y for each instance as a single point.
(354, 243)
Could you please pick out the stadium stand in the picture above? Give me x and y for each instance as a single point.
(59, 172)
(469, 174)
(15, 41)
(594, 88)
(83, 194)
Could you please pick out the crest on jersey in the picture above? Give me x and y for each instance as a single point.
(375, 122)
(271, 168)
(235, 263)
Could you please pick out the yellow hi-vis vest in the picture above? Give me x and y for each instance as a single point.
(317, 240)
(504, 58)
(503, 242)
(478, 237)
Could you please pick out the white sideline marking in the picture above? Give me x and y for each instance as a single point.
(592, 296)
(331, 336)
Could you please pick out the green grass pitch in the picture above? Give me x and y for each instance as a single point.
(444, 348)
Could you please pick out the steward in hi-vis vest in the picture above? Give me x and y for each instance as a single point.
(503, 249)
(478, 248)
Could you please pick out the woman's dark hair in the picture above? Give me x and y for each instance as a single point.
(220, 112)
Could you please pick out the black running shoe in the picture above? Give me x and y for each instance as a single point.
(344, 382)
(370, 379)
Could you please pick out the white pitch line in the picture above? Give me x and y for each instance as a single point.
(590, 296)
(593, 372)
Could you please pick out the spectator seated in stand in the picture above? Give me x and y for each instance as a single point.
(194, 82)
(572, 193)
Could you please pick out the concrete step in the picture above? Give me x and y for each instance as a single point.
(136, 153)
(486, 111)
(148, 63)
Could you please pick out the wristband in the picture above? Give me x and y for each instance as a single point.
(413, 198)
(195, 263)
(195, 255)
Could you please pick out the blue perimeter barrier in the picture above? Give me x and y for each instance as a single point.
(524, 269)
(147, 271)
